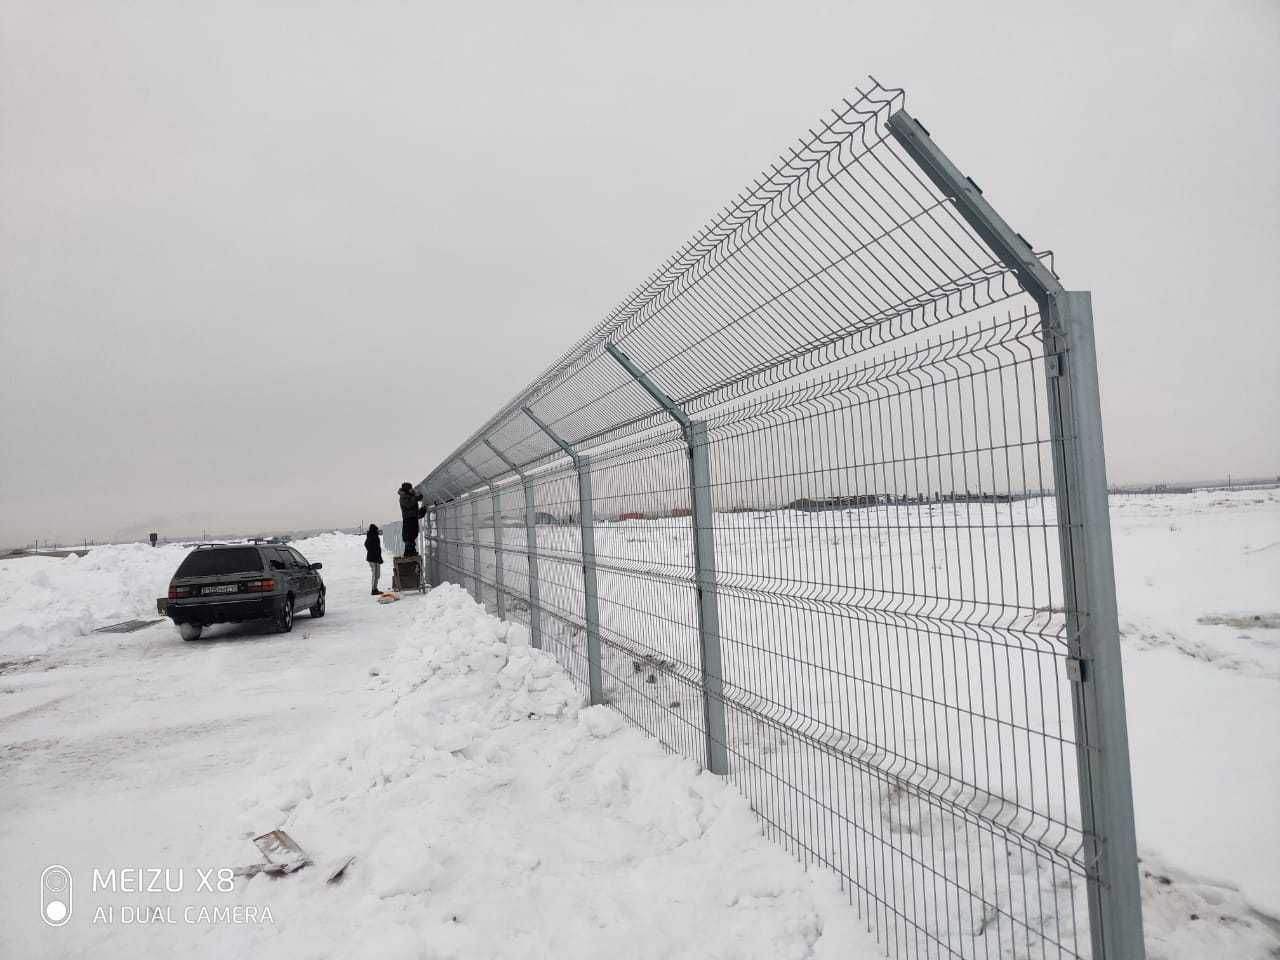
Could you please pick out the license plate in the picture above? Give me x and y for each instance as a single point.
(221, 588)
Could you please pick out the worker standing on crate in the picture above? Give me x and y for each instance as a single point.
(373, 553)
(411, 512)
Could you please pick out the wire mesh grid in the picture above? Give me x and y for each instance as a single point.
(892, 623)
(894, 653)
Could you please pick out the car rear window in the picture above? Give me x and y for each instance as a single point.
(217, 563)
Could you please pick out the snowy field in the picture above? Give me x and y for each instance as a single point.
(490, 815)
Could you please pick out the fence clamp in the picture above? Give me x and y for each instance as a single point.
(1053, 364)
(1075, 669)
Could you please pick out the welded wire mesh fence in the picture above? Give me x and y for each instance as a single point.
(818, 505)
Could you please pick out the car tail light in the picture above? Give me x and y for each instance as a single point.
(177, 593)
(259, 586)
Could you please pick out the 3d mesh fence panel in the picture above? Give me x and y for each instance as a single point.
(560, 609)
(822, 506)
(480, 508)
(648, 618)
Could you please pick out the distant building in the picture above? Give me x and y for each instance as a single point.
(816, 505)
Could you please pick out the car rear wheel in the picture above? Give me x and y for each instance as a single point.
(190, 631)
(317, 609)
(284, 618)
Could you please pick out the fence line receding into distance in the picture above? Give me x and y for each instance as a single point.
(822, 506)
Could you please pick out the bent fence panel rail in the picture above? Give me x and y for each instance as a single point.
(822, 506)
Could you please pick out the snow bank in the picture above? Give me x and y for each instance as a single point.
(491, 814)
(47, 601)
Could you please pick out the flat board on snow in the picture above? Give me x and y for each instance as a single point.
(281, 851)
(128, 626)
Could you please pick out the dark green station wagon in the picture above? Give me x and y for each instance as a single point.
(234, 583)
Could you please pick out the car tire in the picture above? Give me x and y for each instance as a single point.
(284, 616)
(190, 631)
(317, 609)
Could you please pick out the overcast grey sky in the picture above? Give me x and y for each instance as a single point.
(224, 227)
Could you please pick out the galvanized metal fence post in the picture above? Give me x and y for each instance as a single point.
(475, 550)
(497, 553)
(531, 556)
(433, 552)
(591, 601)
(702, 520)
(1084, 545)
(443, 562)
(1084, 523)
(702, 514)
(433, 519)
(586, 526)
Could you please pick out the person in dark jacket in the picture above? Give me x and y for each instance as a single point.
(373, 553)
(411, 512)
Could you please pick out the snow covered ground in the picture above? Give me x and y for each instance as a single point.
(1198, 581)
(491, 816)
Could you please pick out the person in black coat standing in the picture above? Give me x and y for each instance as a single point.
(373, 553)
(411, 511)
